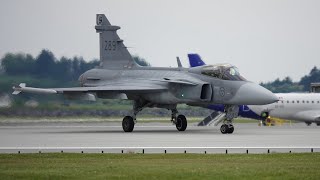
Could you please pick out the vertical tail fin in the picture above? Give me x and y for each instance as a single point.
(195, 60)
(113, 53)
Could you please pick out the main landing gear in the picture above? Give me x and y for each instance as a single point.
(231, 113)
(129, 121)
(128, 124)
(308, 123)
(180, 121)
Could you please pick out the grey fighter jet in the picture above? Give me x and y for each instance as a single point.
(119, 77)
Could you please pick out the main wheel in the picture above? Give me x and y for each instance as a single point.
(224, 129)
(308, 123)
(318, 123)
(181, 123)
(127, 124)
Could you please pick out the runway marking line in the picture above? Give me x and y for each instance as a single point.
(88, 148)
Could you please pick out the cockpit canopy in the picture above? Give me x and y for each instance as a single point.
(223, 71)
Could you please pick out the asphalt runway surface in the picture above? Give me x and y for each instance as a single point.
(154, 137)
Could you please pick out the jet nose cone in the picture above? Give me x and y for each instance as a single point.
(253, 94)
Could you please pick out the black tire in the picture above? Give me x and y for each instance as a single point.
(181, 123)
(318, 124)
(127, 124)
(308, 123)
(224, 129)
(230, 129)
(264, 123)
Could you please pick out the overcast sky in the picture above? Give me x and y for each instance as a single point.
(265, 39)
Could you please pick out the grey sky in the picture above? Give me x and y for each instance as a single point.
(265, 39)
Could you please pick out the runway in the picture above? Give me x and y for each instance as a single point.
(155, 137)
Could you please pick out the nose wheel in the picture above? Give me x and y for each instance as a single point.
(226, 128)
(232, 112)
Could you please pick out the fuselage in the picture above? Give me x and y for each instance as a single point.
(244, 111)
(185, 85)
(292, 106)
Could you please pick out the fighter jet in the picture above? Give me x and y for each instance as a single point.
(119, 77)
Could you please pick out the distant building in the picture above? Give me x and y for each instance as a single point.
(315, 87)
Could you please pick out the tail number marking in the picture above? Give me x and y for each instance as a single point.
(110, 45)
(99, 20)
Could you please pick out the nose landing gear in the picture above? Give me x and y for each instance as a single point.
(227, 129)
(231, 113)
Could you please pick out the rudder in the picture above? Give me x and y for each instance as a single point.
(113, 53)
(195, 60)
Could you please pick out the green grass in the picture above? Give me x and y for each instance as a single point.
(159, 166)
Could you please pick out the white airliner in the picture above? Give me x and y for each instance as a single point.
(293, 106)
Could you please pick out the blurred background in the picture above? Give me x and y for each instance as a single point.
(50, 43)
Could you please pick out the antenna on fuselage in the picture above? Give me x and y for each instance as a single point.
(179, 62)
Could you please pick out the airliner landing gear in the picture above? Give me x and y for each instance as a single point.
(231, 113)
(308, 123)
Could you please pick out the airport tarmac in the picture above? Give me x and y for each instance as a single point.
(153, 137)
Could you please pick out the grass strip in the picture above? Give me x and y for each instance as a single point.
(160, 166)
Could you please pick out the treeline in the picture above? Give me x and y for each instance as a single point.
(46, 65)
(287, 85)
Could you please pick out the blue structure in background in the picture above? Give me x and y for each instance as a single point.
(195, 60)
(244, 111)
